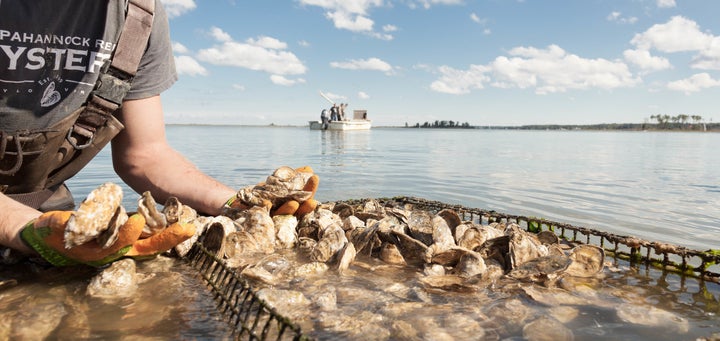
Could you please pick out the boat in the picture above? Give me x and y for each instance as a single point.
(359, 121)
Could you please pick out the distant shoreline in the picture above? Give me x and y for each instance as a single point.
(699, 127)
(696, 127)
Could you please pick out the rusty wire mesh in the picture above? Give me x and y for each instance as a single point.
(249, 316)
(704, 265)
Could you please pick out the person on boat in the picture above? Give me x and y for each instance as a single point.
(324, 119)
(341, 111)
(71, 87)
(334, 116)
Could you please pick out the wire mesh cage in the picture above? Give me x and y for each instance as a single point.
(253, 319)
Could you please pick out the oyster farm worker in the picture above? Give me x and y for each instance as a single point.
(74, 76)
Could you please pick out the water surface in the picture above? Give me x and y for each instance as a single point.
(662, 186)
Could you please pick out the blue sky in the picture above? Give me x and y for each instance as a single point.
(485, 62)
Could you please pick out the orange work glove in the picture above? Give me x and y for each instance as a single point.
(46, 236)
(296, 208)
(164, 240)
(279, 194)
(99, 232)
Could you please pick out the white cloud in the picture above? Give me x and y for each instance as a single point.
(695, 83)
(186, 65)
(618, 17)
(351, 15)
(547, 70)
(261, 54)
(677, 35)
(429, 3)
(374, 64)
(680, 34)
(482, 21)
(645, 61)
(220, 35)
(554, 70)
(176, 8)
(709, 57)
(666, 3)
(267, 42)
(362, 95)
(238, 87)
(281, 80)
(457, 82)
(389, 28)
(179, 48)
(350, 21)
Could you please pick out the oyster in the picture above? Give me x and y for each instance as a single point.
(442, 235)
(94, 214)
(523, 246)
(647, 315)
(119, 280)
(587, 261)
(283, 185)
(345, 257)
(470, 264)
(285, 227)
(421, 227)
(547, 328)
(541, 270)
(413, 251)
(332, 241)
(390, 254)
(257, 222)
(155, 221)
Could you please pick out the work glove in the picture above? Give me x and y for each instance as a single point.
(286, 192)
(99, 232)
(46, 235)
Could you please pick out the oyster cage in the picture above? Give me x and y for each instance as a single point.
(251, 318)
(703, 265)
(248, 315)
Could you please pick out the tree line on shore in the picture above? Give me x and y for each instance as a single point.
(441, 124)
(681, 122)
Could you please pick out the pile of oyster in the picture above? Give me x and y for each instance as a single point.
(373, 271)
(446, 249)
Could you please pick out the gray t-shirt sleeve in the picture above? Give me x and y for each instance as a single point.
(156, 72)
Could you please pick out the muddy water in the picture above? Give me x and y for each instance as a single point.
(370, 301)
(51, 303)
(380, 302)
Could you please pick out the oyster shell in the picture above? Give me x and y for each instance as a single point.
(285, 230)
(93, 215)
(118, 280)
(523, 246)
(587, 261)
(332, 241)
(541, 269)
(155, 221)
(257, 222)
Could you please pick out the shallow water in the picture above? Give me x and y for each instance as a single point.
(657, 186)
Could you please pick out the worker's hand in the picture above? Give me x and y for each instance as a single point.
(287, 191)
(46, 235)
(100, 231)
(300, 208)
